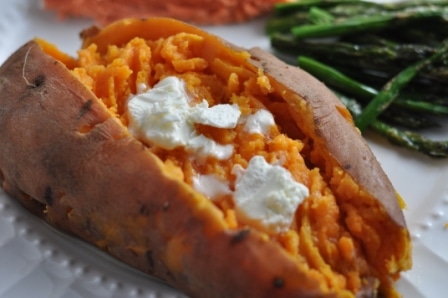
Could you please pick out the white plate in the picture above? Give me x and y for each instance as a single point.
(37, 261)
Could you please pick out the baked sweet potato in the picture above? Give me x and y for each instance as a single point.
(71, 153)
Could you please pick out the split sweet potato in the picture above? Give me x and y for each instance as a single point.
(67, 154)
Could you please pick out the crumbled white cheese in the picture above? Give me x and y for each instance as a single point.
(221, 115)
(267, 194)
(211, 186)
(264, 194)
(203, 147)
(260, 122)
(162, 116)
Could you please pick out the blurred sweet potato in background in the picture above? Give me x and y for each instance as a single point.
(201, 12)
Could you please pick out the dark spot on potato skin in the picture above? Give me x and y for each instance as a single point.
(170, 276)
(150, 259)
(85, 108)
(89, 225)
(38, 81)
(165, 206)
(278, 282)
(347, 166)
(48, 196)
(144, 210)
(239, 236)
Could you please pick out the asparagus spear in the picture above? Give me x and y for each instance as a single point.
(370, 23)
(372, 8)
(408, 119)
(421, 89)
(422, 106)
(350, 26)
(319, 16)
(395, 116)
(390, 91)
(388, 59)
(403, 138)
(335, 78)
(298, 13)
(285, 23)
(436, 94)
(303, 5)
(338, 80)
(379, 57)
(433, 28)
(353, 7)
(430, 33)
(411, 140)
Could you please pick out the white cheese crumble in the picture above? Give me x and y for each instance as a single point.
(203, 146)
(221, 115)
(259, 123)
(267, 194)
(162, 116)
(211, 186)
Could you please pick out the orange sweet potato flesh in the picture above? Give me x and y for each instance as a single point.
(65, 155)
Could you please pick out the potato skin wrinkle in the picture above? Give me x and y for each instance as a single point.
(67, 155)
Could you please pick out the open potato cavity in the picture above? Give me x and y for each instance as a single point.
(316, 235)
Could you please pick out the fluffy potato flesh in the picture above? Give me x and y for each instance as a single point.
(318, 236)
(344, 240)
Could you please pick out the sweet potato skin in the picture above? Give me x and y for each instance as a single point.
(345, 149)
(336, 130)
(103, 186)
(61, 151)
